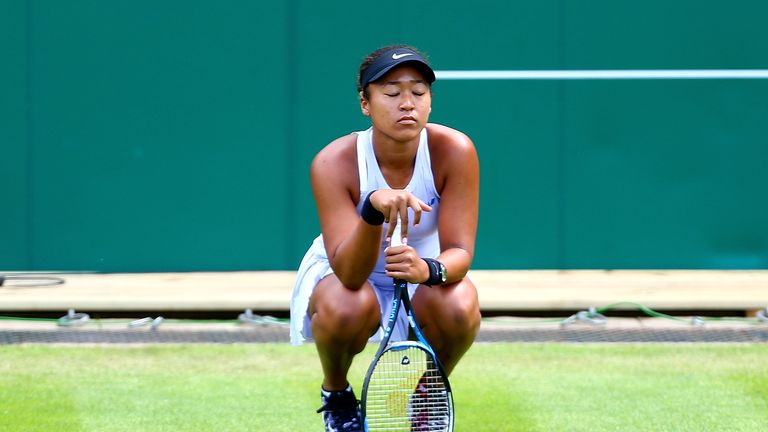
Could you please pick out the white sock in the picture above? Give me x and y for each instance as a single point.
(327, 393)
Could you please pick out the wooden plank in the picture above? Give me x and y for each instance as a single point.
(580, 289)
(499, 290)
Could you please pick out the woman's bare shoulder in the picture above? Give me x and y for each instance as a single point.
(444, 139)
(336, 162)
(341, 150)
(447, 138)
(452, 152)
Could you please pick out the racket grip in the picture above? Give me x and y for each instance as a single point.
(396, 239)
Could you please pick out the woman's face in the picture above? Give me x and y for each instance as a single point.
(399, 103)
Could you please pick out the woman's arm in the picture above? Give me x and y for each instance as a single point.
(457, 176)
(456, 171)
(352, 245)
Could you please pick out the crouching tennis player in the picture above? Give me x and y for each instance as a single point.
(426, 173)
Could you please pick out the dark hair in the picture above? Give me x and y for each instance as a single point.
(368, 60)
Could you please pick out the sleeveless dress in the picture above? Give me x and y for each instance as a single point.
(424, 238)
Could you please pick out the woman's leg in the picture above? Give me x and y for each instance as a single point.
(449, 316)
(342, 321)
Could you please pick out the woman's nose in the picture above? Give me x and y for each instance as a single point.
(407, 103)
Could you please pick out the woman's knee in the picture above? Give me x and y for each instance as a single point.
(456, 307)
(465, 314)
(342, 310)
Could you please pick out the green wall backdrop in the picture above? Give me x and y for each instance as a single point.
(177, 135)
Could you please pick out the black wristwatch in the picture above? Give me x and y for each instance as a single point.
(437, 272)
(443, 273)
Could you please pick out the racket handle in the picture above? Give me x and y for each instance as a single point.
(396, 239)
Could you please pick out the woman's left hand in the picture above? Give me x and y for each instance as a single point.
(402, 262)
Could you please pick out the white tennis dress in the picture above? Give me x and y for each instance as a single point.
(423, 238)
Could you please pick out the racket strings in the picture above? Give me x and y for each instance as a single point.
(407, 392)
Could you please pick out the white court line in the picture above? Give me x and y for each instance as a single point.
(602, 74)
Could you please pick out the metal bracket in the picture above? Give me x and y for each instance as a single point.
(762, 315)
(248, 317)
(153, 323)
(591, 317)
(697, 321)
(73, 318)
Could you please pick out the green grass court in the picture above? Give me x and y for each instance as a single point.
(274, 387)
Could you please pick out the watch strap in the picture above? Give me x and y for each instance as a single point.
(435, 272)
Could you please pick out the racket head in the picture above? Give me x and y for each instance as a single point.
(406, 390)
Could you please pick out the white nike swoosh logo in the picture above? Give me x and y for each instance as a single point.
(399, 56)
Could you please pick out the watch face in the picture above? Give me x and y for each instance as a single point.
(443, 273)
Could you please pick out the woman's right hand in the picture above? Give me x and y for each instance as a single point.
(394, 202)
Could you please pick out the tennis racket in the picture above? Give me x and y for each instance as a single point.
(406, 388)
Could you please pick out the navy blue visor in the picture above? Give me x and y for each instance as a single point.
(395, 57)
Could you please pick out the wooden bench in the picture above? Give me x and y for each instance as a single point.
(500, 291)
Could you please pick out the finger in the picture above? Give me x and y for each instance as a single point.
(400, 265)
(401, 269)
(383, 203)
(399, 209)
(420, 207)
(392, 221)
(391, 252)
(404, 224)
